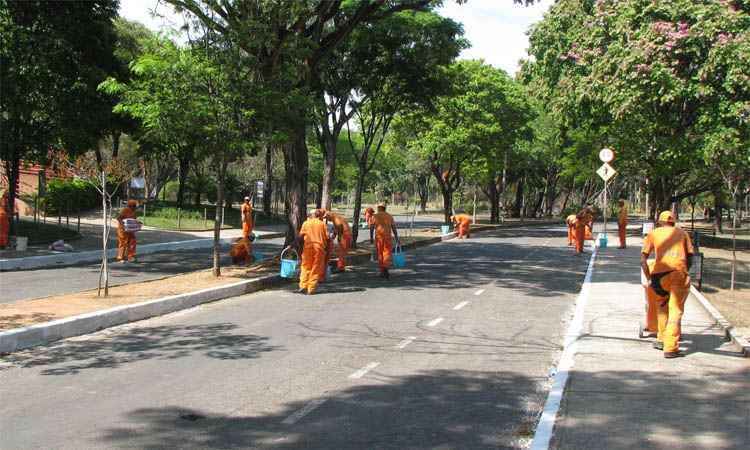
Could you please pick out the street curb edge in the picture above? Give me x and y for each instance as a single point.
(729, 330)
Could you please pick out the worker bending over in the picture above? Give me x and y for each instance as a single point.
(242, 251)
(382, 227)
(126, 239)
(581, 224)
(570, 221)
(369, 212)
(669, 279)
(246, 211)
(314, 239)
(462, 224)
(622, 223)
(342, 233)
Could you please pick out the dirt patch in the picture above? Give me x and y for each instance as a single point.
(734, 305)
(28, 312)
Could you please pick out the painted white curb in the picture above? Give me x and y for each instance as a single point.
(731, 333)
(44, 333)
(546, 425)
(59, 259)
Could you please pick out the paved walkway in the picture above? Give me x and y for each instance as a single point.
(622, 394)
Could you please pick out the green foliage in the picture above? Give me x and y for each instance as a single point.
(70, 195)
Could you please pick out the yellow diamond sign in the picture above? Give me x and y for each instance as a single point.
(606, 172)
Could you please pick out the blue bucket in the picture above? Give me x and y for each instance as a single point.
(445, 229)
(399, 258)
(289, 266)
(602, 240)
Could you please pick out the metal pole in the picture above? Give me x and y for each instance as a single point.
(605, 209)
(178, 219)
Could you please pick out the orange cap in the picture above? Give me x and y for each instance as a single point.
(666, 217)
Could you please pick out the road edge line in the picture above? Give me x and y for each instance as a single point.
(546, 424)
(730, 332)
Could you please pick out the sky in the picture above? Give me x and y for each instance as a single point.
(495, 28)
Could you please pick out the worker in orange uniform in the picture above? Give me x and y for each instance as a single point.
(581, 223)
(669, 279)
(342, 233)
(589, 230)
(652, 308)
(126, 239)
(382, 226)
(314, 238)
(246, 211)
(4, 221)
(462, 223)
(242, 251)
(570, 221)
(622, 223)
(369, 212)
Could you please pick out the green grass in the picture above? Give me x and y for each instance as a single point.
(44, 233)
(163, 215)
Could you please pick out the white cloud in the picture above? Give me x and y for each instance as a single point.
(496, 29)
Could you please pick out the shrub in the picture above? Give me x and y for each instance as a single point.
(70, 195)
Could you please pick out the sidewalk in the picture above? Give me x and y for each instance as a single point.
(622, 394)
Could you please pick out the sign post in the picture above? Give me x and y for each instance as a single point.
(606, 172)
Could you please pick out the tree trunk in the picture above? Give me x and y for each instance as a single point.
(319, 195)
(268, 181)
(218, 216)
(735, 224)
(518, 203)
(105, 237)
(357, 206)
(12, 173)
(422, 192)
(329, 170)
(494, 198)
(182, 174)
(296, 166)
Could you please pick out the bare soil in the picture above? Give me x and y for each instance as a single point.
(734, 305)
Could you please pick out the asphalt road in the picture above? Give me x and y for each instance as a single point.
(453, 352)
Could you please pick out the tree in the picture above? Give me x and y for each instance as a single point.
(107, 172)
(49, 71)
(633, 73)
(284, 44)
(187, 89)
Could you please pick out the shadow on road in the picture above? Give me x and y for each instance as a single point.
(645, 410)
(143, 343)
(452, 409)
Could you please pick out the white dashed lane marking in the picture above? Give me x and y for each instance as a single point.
(479, 292)
(305, 410)
(434, 322)
(363, 371)
(402, 345)
(460, 305)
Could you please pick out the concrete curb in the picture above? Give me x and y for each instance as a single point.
(64, 259)
(45, 333)
(730, 333)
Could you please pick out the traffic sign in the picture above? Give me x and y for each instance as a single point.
(606, 172)
(606, 155)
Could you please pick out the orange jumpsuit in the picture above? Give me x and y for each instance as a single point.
(463, 224)
(125, 240)
(622, 225)
(241, 251)
(247, 219)
(672, 247)
(314, 251)
(580, 232)
(571, 222)
(369, 212)
(652, 305)
(4, 226)
(343, 236)
(383, 223)
(589, 235)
